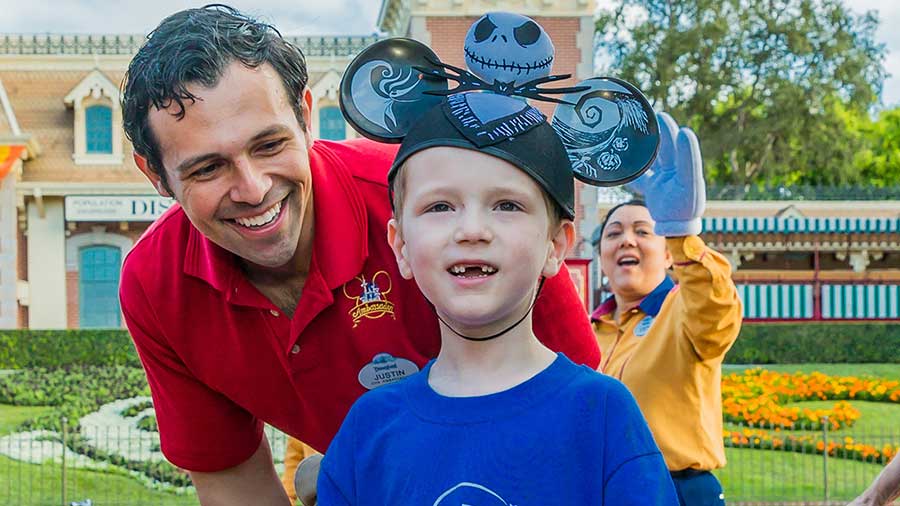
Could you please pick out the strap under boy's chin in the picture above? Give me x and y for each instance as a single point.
(504, 331)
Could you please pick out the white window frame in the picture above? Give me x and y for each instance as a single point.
(95, 89)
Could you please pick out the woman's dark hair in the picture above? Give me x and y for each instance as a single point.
(632, 202)
(195, 46)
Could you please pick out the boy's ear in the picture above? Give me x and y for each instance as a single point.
(151, 175)
(560, 244)
(395, 239)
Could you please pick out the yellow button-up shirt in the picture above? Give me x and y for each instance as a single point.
(669, 349)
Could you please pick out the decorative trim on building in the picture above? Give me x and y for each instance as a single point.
(97, 237)
(392, 11)
(128, 44)
(801, 225)
(326, 88)
(802, 245)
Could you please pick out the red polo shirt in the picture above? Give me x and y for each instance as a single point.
(221, 359)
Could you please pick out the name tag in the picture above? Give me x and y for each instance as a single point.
(643, 326)
(384, 369)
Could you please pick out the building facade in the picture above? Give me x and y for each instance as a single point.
(72, 203)
(807, 260)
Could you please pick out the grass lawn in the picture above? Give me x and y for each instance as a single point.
(760, 475)
(12, 416)
(888, 371)
(33, 485)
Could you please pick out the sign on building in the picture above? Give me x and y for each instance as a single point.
(115, 207)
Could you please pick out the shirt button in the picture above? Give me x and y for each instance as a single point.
(274, 313)
(295, 349)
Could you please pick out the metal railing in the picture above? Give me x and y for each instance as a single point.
(814, 465)
(108, 466)
(801, 192)
(97, 466)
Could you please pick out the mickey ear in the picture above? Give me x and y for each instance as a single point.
(382, 94)
(609, 130)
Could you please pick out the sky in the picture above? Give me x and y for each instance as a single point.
(310, 17)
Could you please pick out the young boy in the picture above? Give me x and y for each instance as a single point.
(497, 418)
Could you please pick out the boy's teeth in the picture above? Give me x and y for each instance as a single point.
(262, 219)
(461, 269)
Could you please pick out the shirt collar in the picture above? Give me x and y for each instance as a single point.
(340, 244)
(650, 304)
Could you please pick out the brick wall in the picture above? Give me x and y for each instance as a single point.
(22, 271)
(448, 34)
(72, 300)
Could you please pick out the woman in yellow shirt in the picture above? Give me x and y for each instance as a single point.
(666, 342)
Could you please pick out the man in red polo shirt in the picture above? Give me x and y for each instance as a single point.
(269, 294)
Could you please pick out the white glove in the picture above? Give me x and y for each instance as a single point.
(673, 187)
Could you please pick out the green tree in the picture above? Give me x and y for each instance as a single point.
(879, 161)
(764, 83)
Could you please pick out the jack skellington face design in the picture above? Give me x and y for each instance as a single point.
(503, 47)
(606, 126)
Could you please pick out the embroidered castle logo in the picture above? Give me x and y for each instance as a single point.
(370, 297)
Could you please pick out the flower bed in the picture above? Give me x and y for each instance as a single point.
(757, 396)
(845, 447)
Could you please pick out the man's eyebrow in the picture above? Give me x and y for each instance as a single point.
(267, 132)
(190, 162)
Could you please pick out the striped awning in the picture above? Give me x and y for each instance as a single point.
(777, 301)
(800, 225)
(860, 301)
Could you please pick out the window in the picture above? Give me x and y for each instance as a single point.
(99, 290)
(331, 124)
(98, 129)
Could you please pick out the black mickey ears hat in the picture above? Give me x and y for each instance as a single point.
(501, 126)
(397, 90)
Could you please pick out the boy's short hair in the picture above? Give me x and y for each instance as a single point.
(522, 137)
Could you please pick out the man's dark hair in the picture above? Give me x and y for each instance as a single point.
(195, 46)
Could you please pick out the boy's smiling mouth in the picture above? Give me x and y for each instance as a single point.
(472, 270)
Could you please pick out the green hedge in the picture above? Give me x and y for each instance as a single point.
(23, 348)
(759, 343)
(820, 342)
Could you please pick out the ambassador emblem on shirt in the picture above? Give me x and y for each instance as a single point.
(370, 297)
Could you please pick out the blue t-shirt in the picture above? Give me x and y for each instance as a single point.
(569, 436)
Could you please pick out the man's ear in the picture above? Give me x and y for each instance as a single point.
(151, 175)
(560, 244)
(306, 112)
(398, 245)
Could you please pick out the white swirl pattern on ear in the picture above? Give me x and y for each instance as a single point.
(393, 85)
